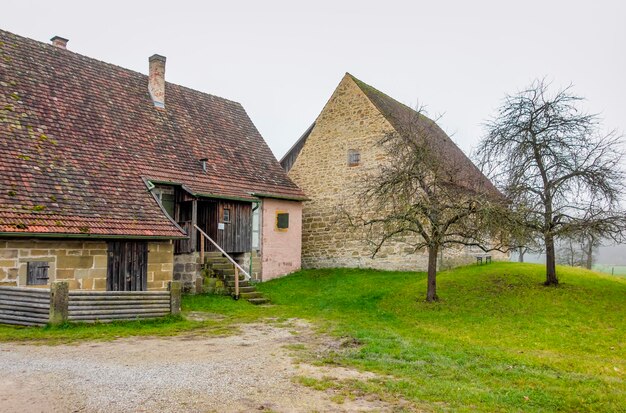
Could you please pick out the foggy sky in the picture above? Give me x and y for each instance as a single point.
(283, 59)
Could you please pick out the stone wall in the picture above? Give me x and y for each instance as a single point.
(348, 122)
(186, 269)
(256, 267)
(160, 264)
(83, 264)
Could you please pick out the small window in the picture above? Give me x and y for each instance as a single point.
(37, 273)
(282, 221)
(226, 215)
(165, 195)
(354, 157)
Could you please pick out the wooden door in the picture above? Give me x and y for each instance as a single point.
(127, 266)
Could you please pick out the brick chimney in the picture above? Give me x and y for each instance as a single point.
(59, 41)
(156, 80)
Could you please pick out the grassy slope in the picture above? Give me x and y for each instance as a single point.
(498, 340)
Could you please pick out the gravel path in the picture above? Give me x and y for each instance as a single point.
(250, 371)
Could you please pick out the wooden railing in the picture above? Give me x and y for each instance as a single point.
(238, 267)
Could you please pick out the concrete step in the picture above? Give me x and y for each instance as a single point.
(248, 289)
(259, 301)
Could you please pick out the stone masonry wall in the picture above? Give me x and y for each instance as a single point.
(186, 269)
(349, 121)
(83, 264)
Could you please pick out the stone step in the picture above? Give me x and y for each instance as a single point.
(231, 276)
(213, 254)
(250, 295)
(231, 284)
(259, 301)
(222, 266)
(248, 289)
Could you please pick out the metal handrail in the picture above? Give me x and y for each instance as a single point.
(245, 273)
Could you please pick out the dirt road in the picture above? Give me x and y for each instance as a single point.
(250, 371)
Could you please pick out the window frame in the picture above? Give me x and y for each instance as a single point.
(276, 221)
(354, 157)
(37, 272)
(226, 211)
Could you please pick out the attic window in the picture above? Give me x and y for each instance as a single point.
(354, 157)
(165, 195)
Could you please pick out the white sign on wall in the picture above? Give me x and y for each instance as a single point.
(220, 225)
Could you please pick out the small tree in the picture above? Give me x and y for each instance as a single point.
(559, 173)
(423, 198)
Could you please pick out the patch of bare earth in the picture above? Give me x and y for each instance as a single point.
(250, 371)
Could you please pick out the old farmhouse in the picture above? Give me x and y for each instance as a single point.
(335, 153)
(105, 173)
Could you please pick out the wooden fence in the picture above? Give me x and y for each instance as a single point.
(24, 306)
(89, 306)
(37, 307)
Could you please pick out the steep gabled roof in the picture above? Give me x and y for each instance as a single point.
(408, 121)
(82, 136)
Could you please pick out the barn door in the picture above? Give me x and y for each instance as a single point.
(127, 266)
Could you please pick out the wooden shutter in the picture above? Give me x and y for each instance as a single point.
(37, 273)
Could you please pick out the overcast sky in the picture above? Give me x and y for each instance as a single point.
(283, 59)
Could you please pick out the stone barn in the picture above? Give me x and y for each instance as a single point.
(335, 153)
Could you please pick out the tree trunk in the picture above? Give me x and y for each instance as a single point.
(522, 251)
(589, 261)
(431, 293)
(551, 278)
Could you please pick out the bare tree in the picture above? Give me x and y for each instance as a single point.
(578, 250)
(425, 195)
(560, 174)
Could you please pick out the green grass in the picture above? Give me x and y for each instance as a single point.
(617, 270)
(68, 333)
(497, 341)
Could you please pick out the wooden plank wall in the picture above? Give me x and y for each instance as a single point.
(24, 306)
(90, 306)
(237, 234)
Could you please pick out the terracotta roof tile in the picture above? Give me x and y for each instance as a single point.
(80, 135)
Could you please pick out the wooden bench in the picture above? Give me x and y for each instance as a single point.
(479, 259)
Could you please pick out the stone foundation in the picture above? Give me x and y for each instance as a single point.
(186, 270)
(83, 264)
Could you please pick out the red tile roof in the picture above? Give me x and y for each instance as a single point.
(79, 136)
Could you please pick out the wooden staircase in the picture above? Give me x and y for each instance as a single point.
(225, 270)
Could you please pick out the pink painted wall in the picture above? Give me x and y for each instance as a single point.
(280, 250)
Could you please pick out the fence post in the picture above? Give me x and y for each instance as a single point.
(236, 283)
(175, 291)
(59, 302)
